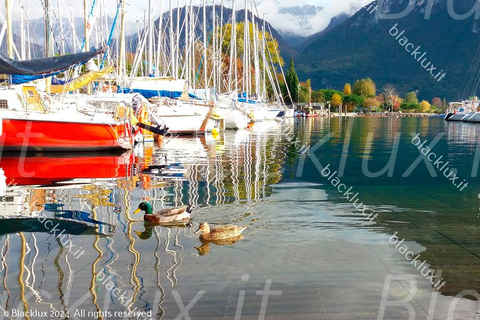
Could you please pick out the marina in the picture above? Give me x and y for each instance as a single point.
(174, 166)
(305, 244)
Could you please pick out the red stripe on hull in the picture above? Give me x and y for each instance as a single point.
(35, 135)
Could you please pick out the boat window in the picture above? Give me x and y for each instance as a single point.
(30, 93)
(3, 104)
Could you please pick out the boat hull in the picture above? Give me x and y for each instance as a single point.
(44, 135)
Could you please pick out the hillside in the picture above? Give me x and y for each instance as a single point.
(362, 47)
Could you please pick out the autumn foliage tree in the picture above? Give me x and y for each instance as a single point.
(365, 87)
(347, 89)
(337, 100)
(425, 106)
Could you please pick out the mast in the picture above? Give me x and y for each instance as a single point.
(121, 58)
(85, 20)
(186, 47)
(48, 38)
(220, 53)
(246, 31)
(9, 29)
(255, 52)
(192, 44)
(172, 46)
(264, 57)
(233, 52)
(22, 36)
(205, 46)
(150, 38)
(159, 39)
(61, 28)
(214, 47)
(177, 41)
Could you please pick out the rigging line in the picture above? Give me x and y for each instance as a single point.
(62, 35)
(110, 37)
(32, 34)
(202, 60)
(50, 27)
(88, 21)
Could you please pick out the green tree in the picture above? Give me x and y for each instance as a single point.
(353, 101)
(365, 87)
(292, 82)
(328, 93)
(410, 107)
(318, 97)
(410, 98)
(347, 89)
(444, 104)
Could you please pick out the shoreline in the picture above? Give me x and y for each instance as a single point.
(386, 115)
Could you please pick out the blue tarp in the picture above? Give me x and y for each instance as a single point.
(151, 93)
(19, 79)
(191, 95)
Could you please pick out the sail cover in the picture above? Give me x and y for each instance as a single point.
(45, 65)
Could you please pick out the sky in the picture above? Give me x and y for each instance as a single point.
(136, 10)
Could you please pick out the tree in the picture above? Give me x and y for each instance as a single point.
(391, 96)
(317, 96)
(292, 82)
(347, 89)
(425, 106)
(337, 100)
(328, 93)
(224, 38)
(411, 97)
(371, 102)
(444, 104)
(437, 102)
(353, 101)
(410, 107)
(365, 87)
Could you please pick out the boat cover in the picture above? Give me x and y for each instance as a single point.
(45, 65)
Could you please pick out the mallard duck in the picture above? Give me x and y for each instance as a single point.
(165, 215)
(219, 232)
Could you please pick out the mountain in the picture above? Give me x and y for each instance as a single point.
(363, 46)
(133, 40)
(299, 19)
(67, 36)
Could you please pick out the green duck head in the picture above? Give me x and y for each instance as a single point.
(144, 206)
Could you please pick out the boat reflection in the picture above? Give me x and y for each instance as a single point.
(45, 225)
(100, 191)
(45, 169)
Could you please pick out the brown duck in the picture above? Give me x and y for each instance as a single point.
(219, 232)
(165, 215)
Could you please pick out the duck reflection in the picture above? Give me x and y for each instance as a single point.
(150, 227)
(204, 249)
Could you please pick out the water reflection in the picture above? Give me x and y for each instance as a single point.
(92, 198)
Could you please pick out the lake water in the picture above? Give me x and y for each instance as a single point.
(72, 248)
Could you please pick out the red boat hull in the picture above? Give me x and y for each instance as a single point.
(36, 135)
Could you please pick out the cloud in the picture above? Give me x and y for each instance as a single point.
(306, 25)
